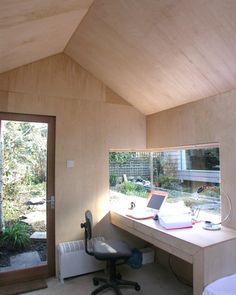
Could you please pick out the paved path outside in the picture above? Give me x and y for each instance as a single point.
(23, 260)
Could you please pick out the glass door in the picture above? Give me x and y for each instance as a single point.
(27, 200)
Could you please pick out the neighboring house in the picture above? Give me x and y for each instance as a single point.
(201, 175)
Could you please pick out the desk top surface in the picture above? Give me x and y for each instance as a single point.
(196, 235)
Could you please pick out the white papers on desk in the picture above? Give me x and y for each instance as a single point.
(177, 208)
(140, 214)
(175, 221)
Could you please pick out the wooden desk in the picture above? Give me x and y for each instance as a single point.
(212, 253)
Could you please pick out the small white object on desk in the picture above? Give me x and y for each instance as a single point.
(176, 221)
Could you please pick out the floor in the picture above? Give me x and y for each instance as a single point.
(153, 280)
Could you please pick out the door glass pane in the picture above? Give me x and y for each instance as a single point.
(23, 178)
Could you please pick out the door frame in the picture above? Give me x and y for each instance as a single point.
(48, 270)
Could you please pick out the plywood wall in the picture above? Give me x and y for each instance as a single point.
(206, 121)
(87, 126)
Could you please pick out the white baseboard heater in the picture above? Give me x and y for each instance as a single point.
(74, 261)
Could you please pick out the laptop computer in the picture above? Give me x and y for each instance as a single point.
(156, 200)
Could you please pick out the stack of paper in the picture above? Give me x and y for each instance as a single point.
(175, 221)
(140, 214)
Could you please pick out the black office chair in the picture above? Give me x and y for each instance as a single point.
(110, 251)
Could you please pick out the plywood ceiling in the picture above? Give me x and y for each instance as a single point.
(34, 29)
(156, 54)
(159, 54)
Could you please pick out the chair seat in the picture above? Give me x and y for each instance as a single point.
(111, 249)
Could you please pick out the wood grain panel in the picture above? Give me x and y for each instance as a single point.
(132, 122)
(15, 12)
(57, 86)
(209, 252)
(3, 100)
(4, 82)
(32, 30)
(222, 263)
(57, 76)
(112, 97)
(209, 120)
(102, 52)
(159, 54)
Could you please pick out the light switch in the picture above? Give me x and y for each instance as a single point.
(70, 163)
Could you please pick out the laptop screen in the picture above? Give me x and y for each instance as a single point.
(156, 200)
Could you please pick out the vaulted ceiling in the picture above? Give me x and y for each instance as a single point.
(156, 54)
(34, 29)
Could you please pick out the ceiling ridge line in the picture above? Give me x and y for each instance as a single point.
(78, 26)
(44, 17)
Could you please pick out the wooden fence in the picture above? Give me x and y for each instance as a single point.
(135, 167)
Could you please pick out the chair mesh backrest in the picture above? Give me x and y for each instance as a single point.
(89, 224)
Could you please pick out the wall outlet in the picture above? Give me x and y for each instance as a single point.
(70, 163)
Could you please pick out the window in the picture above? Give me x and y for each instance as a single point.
(179, 172)
(201, 159)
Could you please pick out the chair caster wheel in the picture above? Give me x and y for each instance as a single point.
(95, 282)
(137, 287)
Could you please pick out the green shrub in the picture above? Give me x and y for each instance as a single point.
(168, 182)
(34, 189)
(113, 180)
(127, 187)
(16, 236)
(10, 210)
(131, 188)
(11, 190)
(121, 157)
(190, 203)
(213, 191)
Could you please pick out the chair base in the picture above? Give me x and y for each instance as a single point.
(113, 284)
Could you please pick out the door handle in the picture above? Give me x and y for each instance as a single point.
(51, 200)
